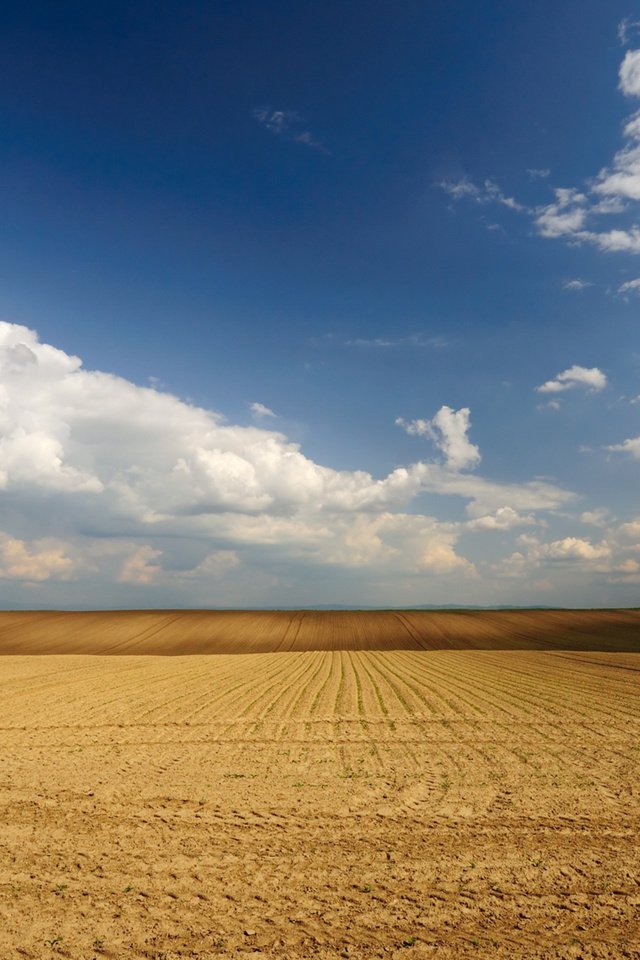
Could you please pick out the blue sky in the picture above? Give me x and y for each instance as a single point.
(320, 303)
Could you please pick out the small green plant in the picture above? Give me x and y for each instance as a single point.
(367, 888)
(409, 941)
(54, 941)
(98, 943)
(60, 887)
(127, 889)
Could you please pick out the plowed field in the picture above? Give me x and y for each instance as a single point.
(399, 803)
(175, 632)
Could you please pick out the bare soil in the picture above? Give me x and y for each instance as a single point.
(180, 632)
(398, 803)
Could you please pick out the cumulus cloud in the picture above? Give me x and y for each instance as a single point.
(597, 518)
(630, 74)
(139, 568)
(44, 559)
(114, 483)
(504, 518)
(576, 285)
(448, 430)
(590, 377)
(630, 446)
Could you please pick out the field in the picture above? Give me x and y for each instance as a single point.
(421, 799)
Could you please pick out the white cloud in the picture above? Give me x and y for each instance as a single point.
(260, 412)
(575, 376)
(138, 568)
(385, 343)
(629, 286)
(538, 174)
(630, 74)
(597, 518)
(448, 430)
(116, 484)
(566, 216)
(504, 518)
(576, 284)
(44, 559)
(573, 548)
(576, 214)
(625, 28)
(215, 565)
(487, 193)
(630, 446)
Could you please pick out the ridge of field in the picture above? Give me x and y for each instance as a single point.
(401, 804)
(181, 632)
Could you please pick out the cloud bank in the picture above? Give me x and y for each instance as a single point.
(113, 492)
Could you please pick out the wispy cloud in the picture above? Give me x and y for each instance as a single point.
(580, 215)
(484, 193)
(576, 284)
(535, 173)
(626, 28)
(590, 377)
(386, 343)
(287, 124)
(629, 287)
(260, 412)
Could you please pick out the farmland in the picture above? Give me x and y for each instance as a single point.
(315, 802)
(179, 632)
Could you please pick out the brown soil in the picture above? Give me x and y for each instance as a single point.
(402, 804)
(173, 632)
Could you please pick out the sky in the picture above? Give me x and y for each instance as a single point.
(310, 304)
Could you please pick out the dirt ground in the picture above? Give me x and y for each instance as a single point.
(180, 632)
(406, 804)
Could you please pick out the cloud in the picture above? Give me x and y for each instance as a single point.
(385, 343)
(121, 487)
(597, 518)
(448, 430)
(504, 518)
(566, 216)
(260, 412)
(576, 285)
(629, 74)
(138, 569)
(538, 174)
(630, 446)
(287, 124)
(629, 286)
(573, 548)
(575, 376)
(487, 193)
(44, 559)
(626, 27)
(576, 215)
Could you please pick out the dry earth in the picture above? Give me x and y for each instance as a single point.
(396, 803)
